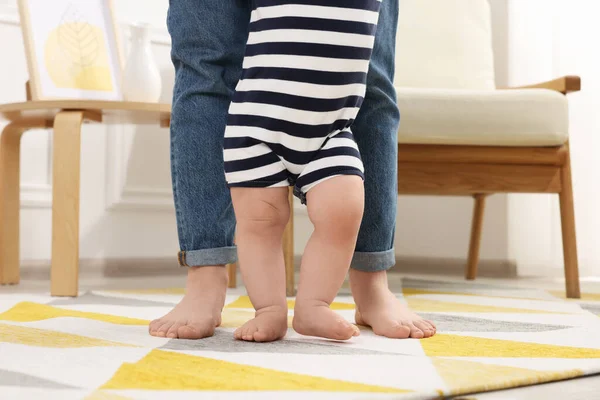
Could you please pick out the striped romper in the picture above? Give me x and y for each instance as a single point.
(303, 82)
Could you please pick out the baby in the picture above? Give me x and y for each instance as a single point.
(289, 123)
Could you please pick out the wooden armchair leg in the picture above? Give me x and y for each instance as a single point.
(567, 219)
(232, 272)
(476, 228)
(10, 143)
(288, 251)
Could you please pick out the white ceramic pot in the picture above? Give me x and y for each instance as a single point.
(141, 79)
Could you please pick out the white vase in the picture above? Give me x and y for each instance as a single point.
(141, 78)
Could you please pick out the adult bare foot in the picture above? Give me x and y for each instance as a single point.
(378, 308)
(269, 324)
(317, 319)
(199, 312)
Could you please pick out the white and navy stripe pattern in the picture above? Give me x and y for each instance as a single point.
(303, 83)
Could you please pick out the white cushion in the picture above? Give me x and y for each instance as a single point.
(445, 44)
(524, 117)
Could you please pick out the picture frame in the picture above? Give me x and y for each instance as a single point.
(73, 49)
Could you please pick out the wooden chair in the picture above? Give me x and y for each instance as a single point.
(460, 135)
(66, 118)
(479, 171)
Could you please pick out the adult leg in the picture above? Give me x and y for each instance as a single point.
(375, 131)
(208, 41)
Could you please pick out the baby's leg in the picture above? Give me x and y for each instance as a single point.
(335, 207)
(262, 214)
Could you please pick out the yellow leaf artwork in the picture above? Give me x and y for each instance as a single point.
(76, 55)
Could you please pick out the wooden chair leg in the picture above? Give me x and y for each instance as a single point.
(475, 243)
(65, 203)
(569, 238)
(10, 144)
(232, 272)
(288, 250)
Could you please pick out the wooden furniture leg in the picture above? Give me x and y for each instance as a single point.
(567, 219)
(10, 146)
(475, 243)
(288, 251)
(232, 272)
(65, 203)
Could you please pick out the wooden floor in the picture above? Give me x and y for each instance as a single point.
(583, 388)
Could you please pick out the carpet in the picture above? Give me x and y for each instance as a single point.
(96, 347)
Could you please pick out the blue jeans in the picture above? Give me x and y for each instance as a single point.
(208, 43)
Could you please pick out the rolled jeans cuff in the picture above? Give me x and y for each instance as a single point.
(206, 257)
(373, 261)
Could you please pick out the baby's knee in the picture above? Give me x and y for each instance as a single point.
(342, 214)
(261, 215)
(348, 215)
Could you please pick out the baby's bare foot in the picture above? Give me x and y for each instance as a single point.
(317, 319)
(269, 324)
(199, 312)
(378, 308)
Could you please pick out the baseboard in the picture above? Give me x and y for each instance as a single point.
(153, 267)
(447, 266)
(108, 268)
(454, 267)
